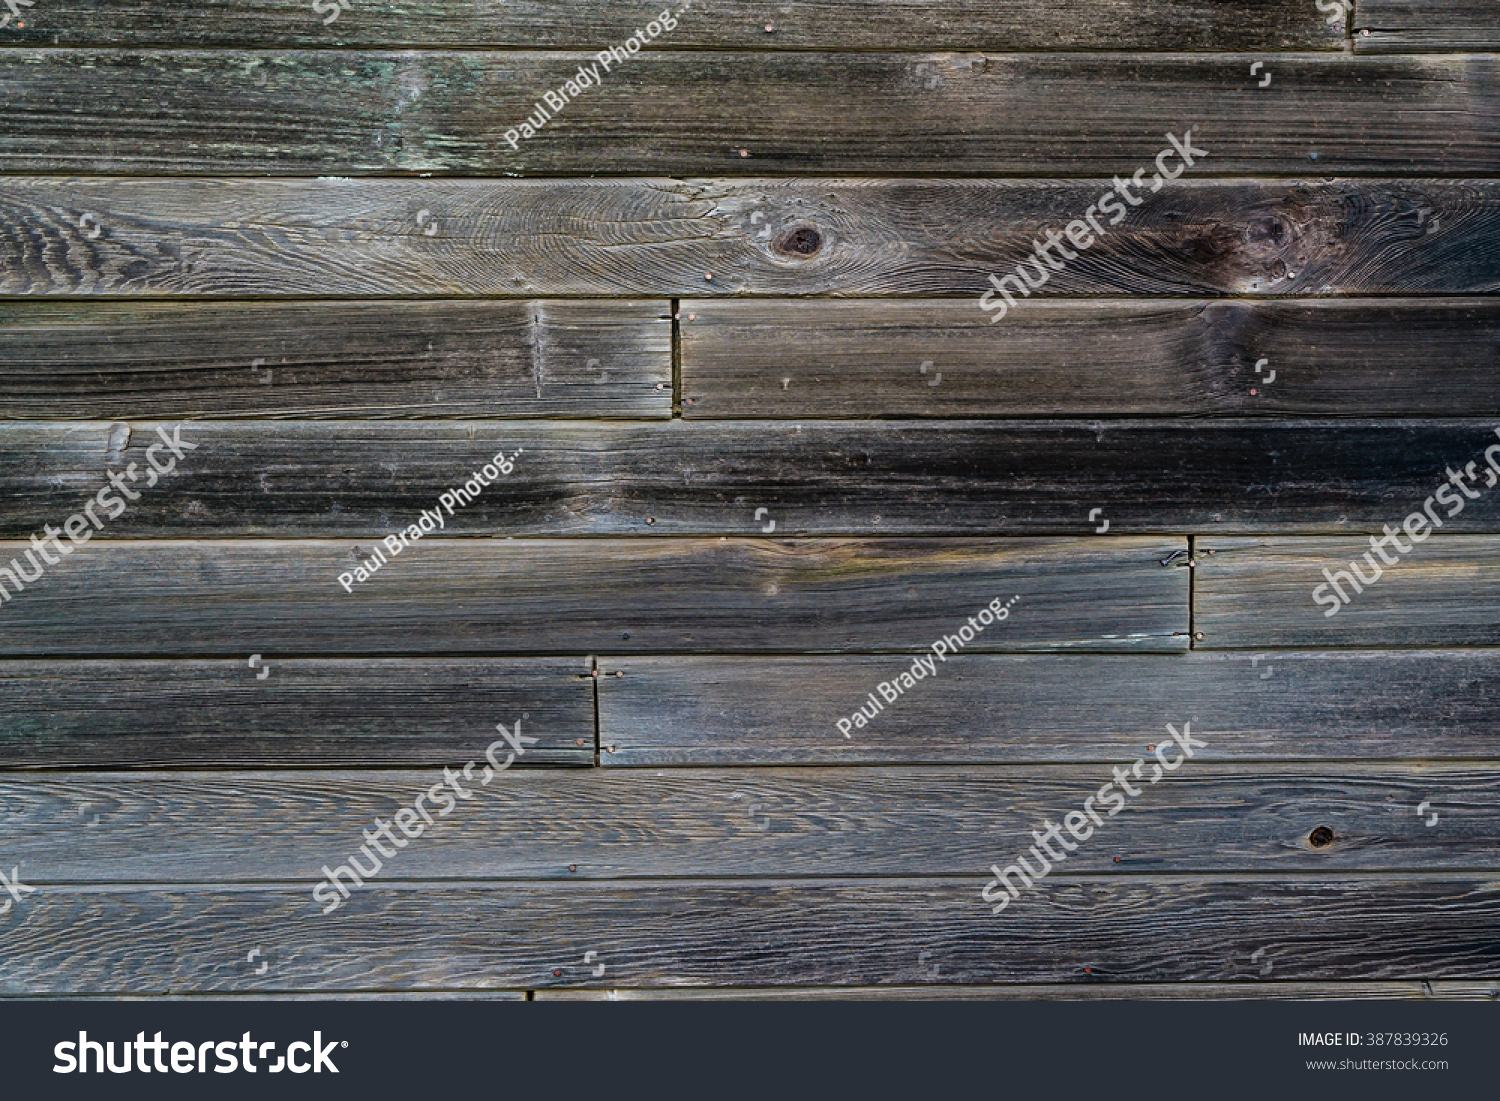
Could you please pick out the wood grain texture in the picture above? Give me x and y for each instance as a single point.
(1418, 26)
(530, 238)
(1258, 592)
(549, 596)
(222, 714)
(371, 112)
(368, 478)
(1220, 992)
(1337, 928)
(1308, 706)
(335, 359)
(241, 827)
(729, 24)
(1115, 358)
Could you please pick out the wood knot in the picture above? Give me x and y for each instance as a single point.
(799, 241)
(1320, 838)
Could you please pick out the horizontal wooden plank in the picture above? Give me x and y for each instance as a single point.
(1155, 992)
(368, 478)
(335, 359)
(83, 940)
(242, 827)
(529, 238)
(1413, 26)
(1416, 705)
(676, 112)
(729, 24)
(224, 714)
(237, 597)
(1259, 592)
(931, 358)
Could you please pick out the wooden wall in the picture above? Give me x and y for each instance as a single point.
(722, 312)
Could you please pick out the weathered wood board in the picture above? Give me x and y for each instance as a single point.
(1337, 706)
(1422, 26)
(1380, 357)
(1198, 991)
(151, 939)
(727, 25)
(176, 713)
(640, 237)
(311, 360)
(691, 112)
(220, 598)
(296, 478)
(1259, 592)
(238, 827)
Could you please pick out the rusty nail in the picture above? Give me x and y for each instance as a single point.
(572, 867)
(1199, 636)
(558, 971)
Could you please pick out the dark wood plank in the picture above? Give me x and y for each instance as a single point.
(234, 598)
(1222, 992)
(1415, 26)
(240, 827)
(369, 478)
(729, 24)
(1331, 358)
(83, 940)
(335, 359)
(223, 714)
(1427, 705)
(244, 238)
(676, 112)
(1258, 592)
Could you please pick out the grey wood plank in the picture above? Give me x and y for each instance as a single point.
(86, 940)
(226, 714)
(922, 477)
(1309, 706)
(1221, 992)
(530, 238)
(242, 827)
(1416, 26)
(687, 112)
(456, 596)
(728, 24)
(335, 359)
(1259, 592)
(1114, 358)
